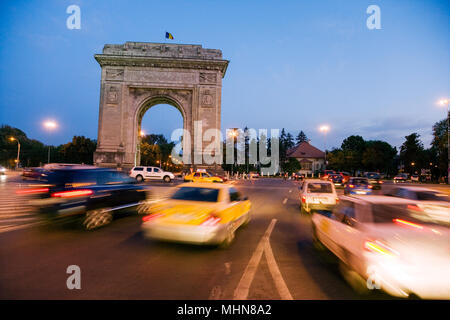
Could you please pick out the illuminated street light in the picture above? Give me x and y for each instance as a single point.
(445, 102)
(142, 133)
(325, 128)
(50, 125)
(18, 150)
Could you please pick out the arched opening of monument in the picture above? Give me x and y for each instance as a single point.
(156, 123)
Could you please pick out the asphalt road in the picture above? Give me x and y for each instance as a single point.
(271, 258)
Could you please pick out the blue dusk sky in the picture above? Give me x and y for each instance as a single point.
(293, 64)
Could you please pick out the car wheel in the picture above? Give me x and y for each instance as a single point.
(139, 178)
(356, 282)
(247, 219)
(316, 241)
(167, 179)
(303, 210)
(228, 239)
(95, 219)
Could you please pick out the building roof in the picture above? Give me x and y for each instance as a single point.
(305, 150)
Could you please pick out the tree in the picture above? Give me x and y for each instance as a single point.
(79, 150)
(379, 155)
(353, 148)
(412, 153)
(291, 165)
(289, 141)
(439, 149)
(32, 152)
(301, 137)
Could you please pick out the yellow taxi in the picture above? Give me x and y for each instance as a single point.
(202, 176)
(197, 213)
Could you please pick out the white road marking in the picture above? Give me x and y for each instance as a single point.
(276, 274)
(241, 291)
(285, 200)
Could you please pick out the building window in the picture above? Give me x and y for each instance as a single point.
(306, 165)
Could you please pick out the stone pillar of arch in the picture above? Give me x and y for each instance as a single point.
(139, 75)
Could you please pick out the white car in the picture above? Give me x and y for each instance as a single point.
(317, 194)
(435, 204)
(382, 243)
(142, 173)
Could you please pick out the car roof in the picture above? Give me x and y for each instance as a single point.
(377, 199)
(317, 181)
(209, 185)
(414, 188)
(80, 168)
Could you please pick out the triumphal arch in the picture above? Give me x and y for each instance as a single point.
(139, 75)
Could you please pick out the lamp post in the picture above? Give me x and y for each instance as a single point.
(233, 134)
(18, 150)
(325, 129)
(50, 125)
(445, 102)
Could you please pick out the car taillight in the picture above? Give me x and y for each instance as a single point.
(405, 223)
(376, 246)
(337, 200)
(72, 193)
(32, 191)
(303, 199)
(211, 221)
(151, 217)
(370, 187)
(351, 186)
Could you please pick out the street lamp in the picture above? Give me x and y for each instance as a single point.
(50, 125)
(18, 150)
(325, 128)
(445, 102)
(233, 133)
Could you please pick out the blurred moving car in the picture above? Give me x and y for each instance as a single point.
(382, 243)
(142, 173)
(317, 194)
(434, 205)
(401, 177)
(198, 213)
(326, 173)
(345, 176)
(88, 193)
(336, 179)
(33, 173)
(202, 175)
(253, 175)
(357, 185)
(374, 179)
(415, 178)
(2, 170)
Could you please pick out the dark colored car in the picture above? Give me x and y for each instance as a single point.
(33, 173)
(401, 177)
(93, 195)
(336, 179)
(374, 180)
(357, 185)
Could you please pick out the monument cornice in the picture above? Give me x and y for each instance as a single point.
(162, 62)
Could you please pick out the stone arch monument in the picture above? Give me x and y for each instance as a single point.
(139, 75)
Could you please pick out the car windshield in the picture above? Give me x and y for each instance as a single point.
(403, 214)
(360, 181)
(373, 175)
(196, 194)
(78, 178)
(319, 188)
(432, 196)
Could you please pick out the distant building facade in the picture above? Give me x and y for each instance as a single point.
(312, 160)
